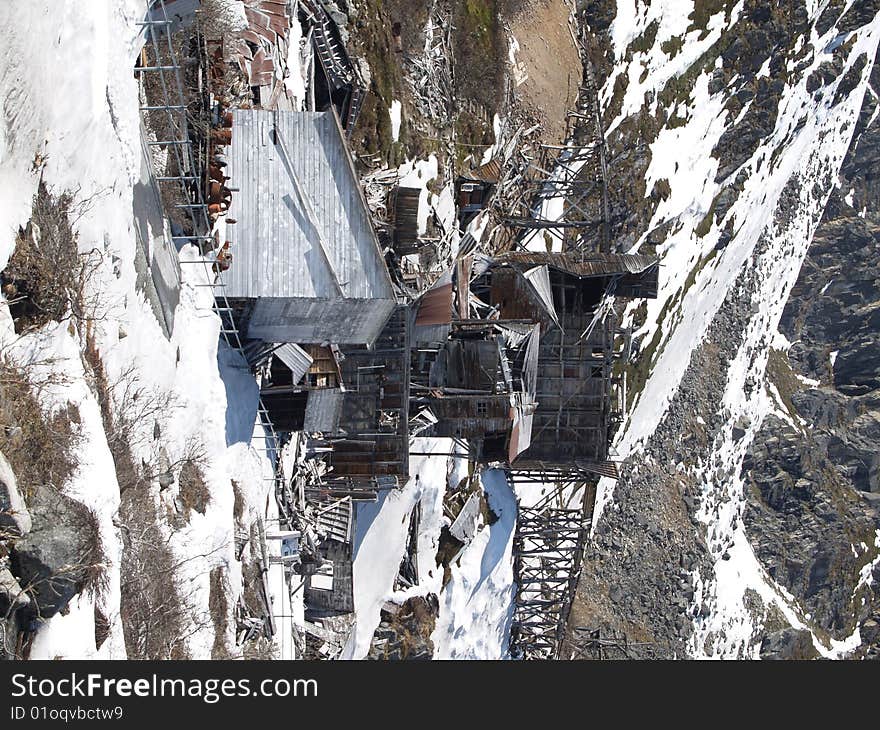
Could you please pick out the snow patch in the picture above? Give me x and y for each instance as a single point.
(394, 113)
(476, 606)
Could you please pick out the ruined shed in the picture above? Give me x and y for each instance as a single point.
(404, 208)
(307, 266)
(572, 414)
(365, 428)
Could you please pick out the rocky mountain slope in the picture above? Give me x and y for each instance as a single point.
(745, 520)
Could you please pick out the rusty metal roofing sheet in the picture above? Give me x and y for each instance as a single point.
(249, 35)
(435, 306)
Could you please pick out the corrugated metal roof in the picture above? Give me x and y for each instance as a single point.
(514, 333)
(405, 201)
(276, 249)
(296, 359)
(435, 305)
(593, 264)
(323, 410)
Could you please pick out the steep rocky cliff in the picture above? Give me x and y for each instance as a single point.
(814, 479)
(744, 140)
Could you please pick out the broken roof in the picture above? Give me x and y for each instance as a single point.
(297, 360)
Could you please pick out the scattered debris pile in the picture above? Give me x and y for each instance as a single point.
(405, 630)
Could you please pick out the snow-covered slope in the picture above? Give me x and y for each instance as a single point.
(72, 120)
(475, 596)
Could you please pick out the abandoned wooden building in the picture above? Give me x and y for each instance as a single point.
(363, 426)
(329, 585)
(306, 263)
(530, 382)
(472, 378)
(571, 297)
(353, 403)
(473, 190)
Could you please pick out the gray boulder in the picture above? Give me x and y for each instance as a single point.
(788, 643)
(55, 559)
(14, 516)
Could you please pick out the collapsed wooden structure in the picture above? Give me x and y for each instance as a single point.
(554, 264)
(335, 79)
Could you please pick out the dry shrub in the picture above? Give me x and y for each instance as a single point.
(158, 617)
(40, 449)
(239, 505)
(102, 627)
(194, 493)
(46, 276)
(218, 605)
(252, 582)
(260, 649)
(126, 404)
(155, 615)
(94, 559)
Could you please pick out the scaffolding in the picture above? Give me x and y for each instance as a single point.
(184, 180)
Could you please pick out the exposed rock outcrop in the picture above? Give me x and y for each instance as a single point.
(788, 644)
(808, 526)
(59, 556)
(810, 473)
(815, 488)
